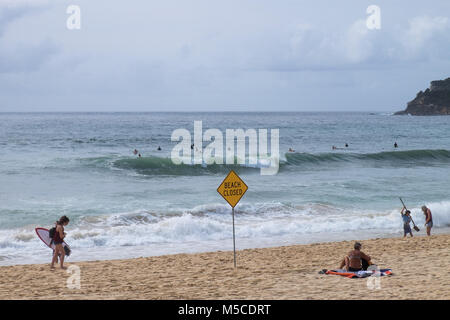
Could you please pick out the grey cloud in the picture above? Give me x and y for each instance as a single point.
(22, 56)
(26, 58)
(309, 48)
(13, 10)
(166, 54)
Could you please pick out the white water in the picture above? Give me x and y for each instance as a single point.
(208, 227)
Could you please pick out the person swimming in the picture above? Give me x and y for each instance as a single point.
(135, 152)
(159, 148)
(395, 145)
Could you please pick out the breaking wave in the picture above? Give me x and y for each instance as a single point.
(293, 161)
(211, 222)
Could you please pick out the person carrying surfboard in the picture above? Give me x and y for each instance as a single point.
(58, 240)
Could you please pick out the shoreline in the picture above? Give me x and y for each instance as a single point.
(148, 251)
(420, 271)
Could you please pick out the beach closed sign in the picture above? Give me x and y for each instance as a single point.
(232, 188)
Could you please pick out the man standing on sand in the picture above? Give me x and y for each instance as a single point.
(428, 219)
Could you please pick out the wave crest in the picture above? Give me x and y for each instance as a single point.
(386, 157)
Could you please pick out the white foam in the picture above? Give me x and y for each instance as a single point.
(212, 223)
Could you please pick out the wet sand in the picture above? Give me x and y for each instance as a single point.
(421, 268)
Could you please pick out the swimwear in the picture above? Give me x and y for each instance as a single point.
(406, 221)
(407, 228)
(430, 223)
(354, 269)
(57, 238)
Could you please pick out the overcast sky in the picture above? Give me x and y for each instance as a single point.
(209, 55)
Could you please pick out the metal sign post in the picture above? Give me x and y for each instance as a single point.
(234, 239)
(232, 189)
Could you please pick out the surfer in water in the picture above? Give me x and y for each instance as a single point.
(428, 219)
(58, 240)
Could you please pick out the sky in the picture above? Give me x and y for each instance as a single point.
(209, 55)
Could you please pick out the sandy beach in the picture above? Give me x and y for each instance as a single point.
(420, 266)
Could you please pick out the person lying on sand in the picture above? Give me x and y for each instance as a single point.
(354, 260)
(406, 216)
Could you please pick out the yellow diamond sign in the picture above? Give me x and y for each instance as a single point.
(232, 188)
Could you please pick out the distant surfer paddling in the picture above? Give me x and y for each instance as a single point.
(137, 153)
(57, 240)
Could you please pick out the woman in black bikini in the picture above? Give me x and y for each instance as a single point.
(57, 240)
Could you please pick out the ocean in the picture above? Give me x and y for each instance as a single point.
(82, 165)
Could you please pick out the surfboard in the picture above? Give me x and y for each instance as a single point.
(43, 234)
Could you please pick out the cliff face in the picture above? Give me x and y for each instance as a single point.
(434, 101)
